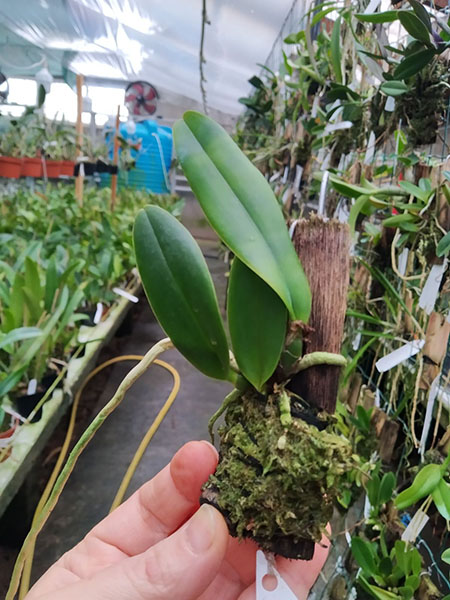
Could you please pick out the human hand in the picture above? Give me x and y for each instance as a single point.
(160, 545)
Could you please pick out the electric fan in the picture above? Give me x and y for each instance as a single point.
(140, 99)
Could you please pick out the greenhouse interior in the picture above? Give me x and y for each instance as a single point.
(225, 300)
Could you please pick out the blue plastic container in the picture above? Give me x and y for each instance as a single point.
(155, 151)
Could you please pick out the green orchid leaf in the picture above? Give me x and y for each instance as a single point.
(394, 88)
(422, 13)
(413, 63)
(445, 556)
(441, 498)
(241, 207)
(180, 290)
(424, 483)
(257, 320)
(387, 486)
(443, 246)
(365, 555)
(19, 334)
(398, 220)
(335, 50)
(377, 592)
(380, 17)
(414, 26)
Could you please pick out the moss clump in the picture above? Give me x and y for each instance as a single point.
(278, 477)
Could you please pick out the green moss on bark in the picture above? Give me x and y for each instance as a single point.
(276, 477)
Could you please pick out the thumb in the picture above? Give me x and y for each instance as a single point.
(180, 566)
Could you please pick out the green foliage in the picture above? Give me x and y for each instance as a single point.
(180, 290)
(257, 319)
(241, 207)
(424, 483)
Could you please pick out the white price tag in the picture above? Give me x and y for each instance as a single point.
(126, 295)
(400, 355)
(430, 290)
(265, 568)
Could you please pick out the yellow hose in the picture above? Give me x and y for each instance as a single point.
(26, 575)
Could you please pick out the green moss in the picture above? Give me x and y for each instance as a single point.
(276, 476)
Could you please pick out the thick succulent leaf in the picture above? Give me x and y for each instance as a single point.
(257, 320)
(180, 290)
(241, 207)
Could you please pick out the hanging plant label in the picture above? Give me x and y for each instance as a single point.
(281, 592)
(400, 355)
(372, 7)
(390, 104)
(338, 126)
(403, 261)
(285, 174)
(432, 395)
(430, 290)
(370, 149)
(126, 295)
(417, 523)
(298, 176)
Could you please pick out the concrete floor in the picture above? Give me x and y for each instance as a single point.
(92, 485)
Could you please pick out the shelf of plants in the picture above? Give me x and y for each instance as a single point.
(357, 127)
(58, 306)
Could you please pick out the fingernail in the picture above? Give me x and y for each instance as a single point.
(211, 447)
(201, 529)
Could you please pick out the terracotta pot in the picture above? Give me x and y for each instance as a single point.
(67, 167)
(53, 168)
(10, 167)
(8, 433)
(32, 167)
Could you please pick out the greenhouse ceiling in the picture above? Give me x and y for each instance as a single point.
(157, 41)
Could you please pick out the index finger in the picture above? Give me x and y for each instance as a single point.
(160, 506)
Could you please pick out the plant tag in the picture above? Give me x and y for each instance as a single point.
(285, 196)
(403, 261)
(315, 107)
(323, 191)
(98, 313)
(430, 290)
(298, 176)
(400, 355)
(338, 126)
(356, 341)
(372, 7)
(10, 411)
(274, 177)
(370, 148)
(292, 228)
(432, 395)
(415, 526)
(81, 171)
(390, 104)
(32, 387)
(126, 295)
(285, 174)
(281, 592)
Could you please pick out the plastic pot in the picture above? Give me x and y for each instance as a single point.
(32, 167)
(67, 167)
(53, 168)
(9, 432)
(24, 405)
(10, 167)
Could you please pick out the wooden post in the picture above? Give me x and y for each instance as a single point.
(115, 160)
(324, 251)
(79, 131)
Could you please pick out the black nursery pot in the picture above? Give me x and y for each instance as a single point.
(24, 405)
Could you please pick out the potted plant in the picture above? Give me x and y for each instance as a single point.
(10, 152)
(33, 132)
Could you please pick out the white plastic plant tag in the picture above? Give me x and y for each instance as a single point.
(274, 177)
(370, 149)
(400, 355)
(98, 313)
(417, 523)
(126, 295)
(390, 104)
(285, 174)
(356, 341)
(263, 568)
(315, 107)
(367, 507)
(32, 387)
(323, 191)
(403, 261)
(432, 395)
(337, 126)
(372, 7)
(285, 196)
(292, 228)
(430, 290)
(81, 172)
(298, 177)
